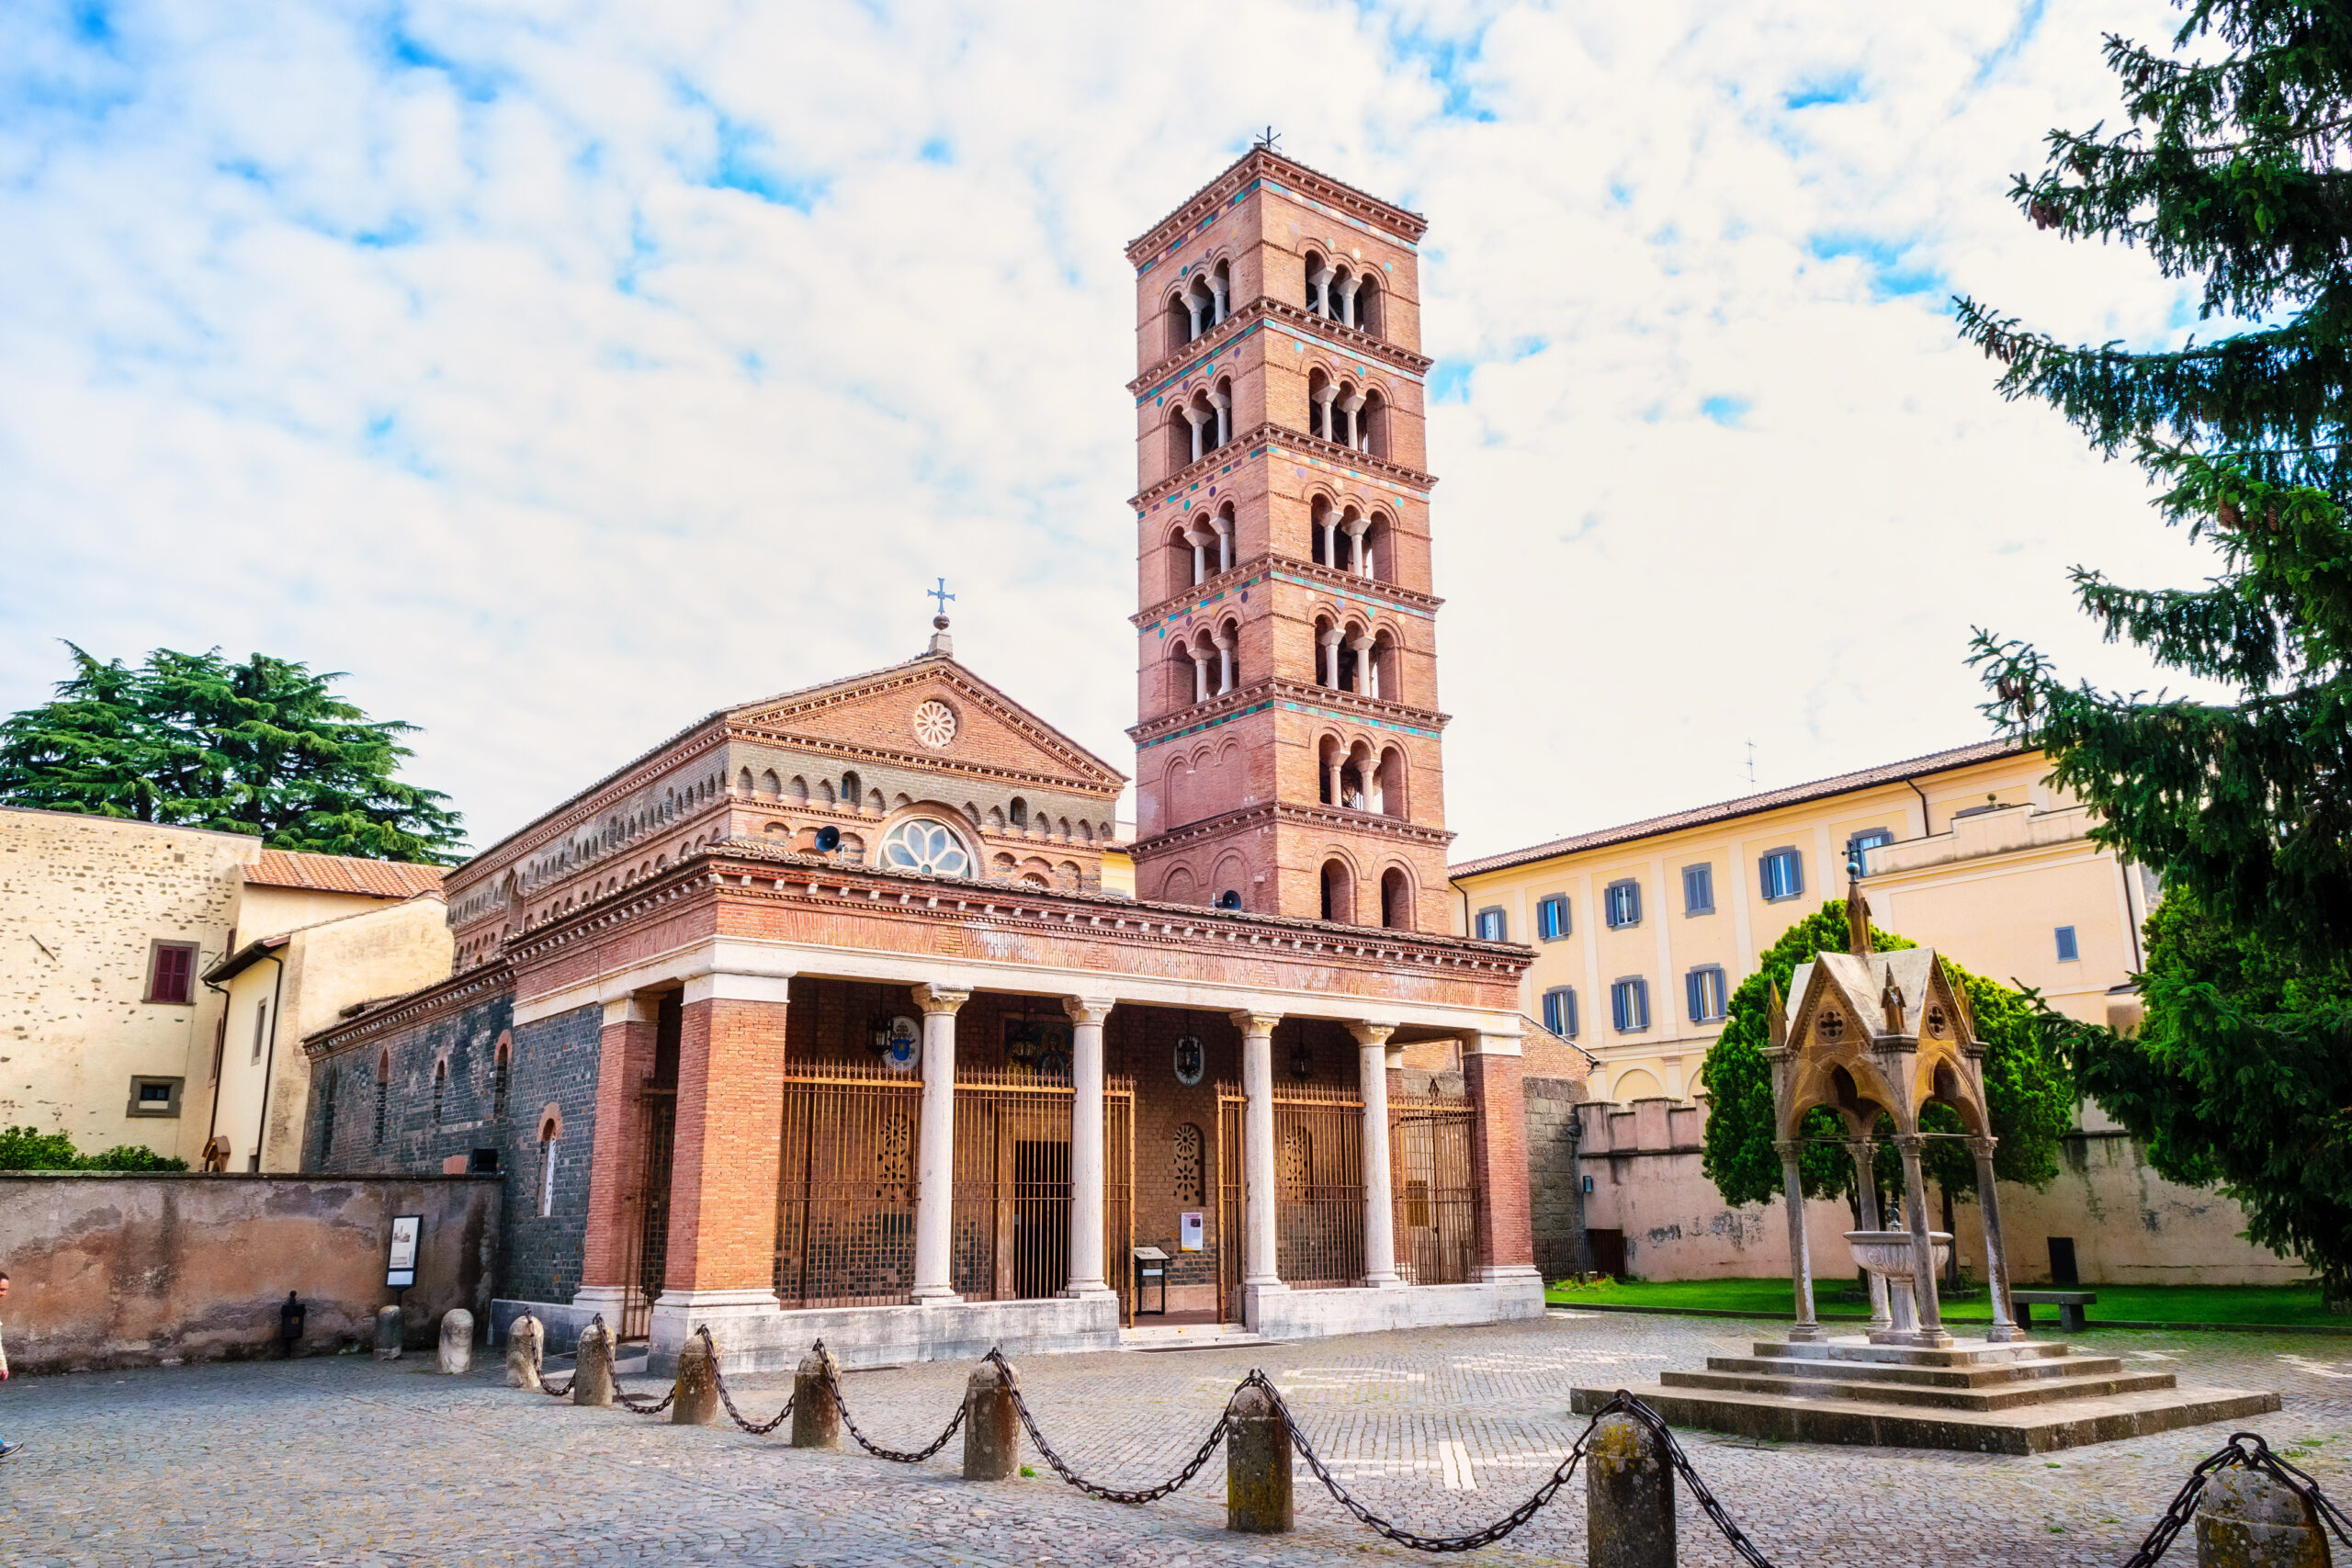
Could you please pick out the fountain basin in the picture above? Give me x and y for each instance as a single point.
(1887, 1254)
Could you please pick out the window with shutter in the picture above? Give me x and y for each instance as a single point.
(1560, 1011)
(1551, 918)
(1781, 875)
(171, 974)
(1698, 890)
(2068, 950)
(1490, 926)
(1624, 904)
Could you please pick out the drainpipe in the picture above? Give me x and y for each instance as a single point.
(1465, 905)
(1926, 823)
(269, 1062)
(220, 1060)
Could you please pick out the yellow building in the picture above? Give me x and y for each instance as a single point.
(107, 925)
(329, 934)
(1643, 932)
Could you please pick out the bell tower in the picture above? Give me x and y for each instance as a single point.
(1288, 731)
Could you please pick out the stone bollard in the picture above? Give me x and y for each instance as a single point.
(457, 1341)
(389, 1330)
(694, 1396)
(524, 1339)
(816, 1416)
(1628, 1496)
(592, 1383)
(991, 1427)
(2247, 1520)
(1256, 1465)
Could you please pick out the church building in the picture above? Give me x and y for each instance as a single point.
(816, 1019)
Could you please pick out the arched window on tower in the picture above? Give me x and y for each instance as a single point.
(1317, 272)
(1179, 321)
(1179, 574)
(1380, 673)
(852, 792)
(1228, 545)
(1380, 547)
(1372, 425)
(1228, 656)
(1371, 311)
(1321, 392)
(1390, 780)
(1221, 400)
(1396, 901)
(1339, 891)
(1319, 547)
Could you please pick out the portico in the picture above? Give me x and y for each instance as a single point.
(988, 1178)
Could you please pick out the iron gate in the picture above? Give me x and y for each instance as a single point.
(647, 1219)
(1436, 1202)
(845, 1186)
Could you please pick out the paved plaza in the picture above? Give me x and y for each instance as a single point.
(344, 1461)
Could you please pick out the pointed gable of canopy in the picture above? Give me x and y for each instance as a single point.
(893, 715)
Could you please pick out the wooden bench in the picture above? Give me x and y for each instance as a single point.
(2070, 1306)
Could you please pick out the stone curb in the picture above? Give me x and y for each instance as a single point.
(1951, 1322)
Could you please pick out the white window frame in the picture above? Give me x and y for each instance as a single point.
(1794, 858)
(1567, 922)
(1632, 887)
(1705, 870)
(1697, 985)
(1626, 995)
(1561, 1000)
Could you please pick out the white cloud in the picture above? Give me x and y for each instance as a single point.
(563, 372)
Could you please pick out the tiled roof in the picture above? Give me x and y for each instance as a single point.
(1749, 804)
(342, 873)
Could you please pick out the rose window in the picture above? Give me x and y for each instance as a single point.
(1833, 1027)
(935, 724)
(923, 845)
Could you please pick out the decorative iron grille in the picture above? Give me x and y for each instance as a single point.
(648, 1216)
(845, 1188)
(1318, 1174)
(1436, 1202)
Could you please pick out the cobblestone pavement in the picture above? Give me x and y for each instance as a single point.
(345, 1462)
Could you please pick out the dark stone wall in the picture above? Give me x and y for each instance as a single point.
(443, 1105)
(1555, 1185)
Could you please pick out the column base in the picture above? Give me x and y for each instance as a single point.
(1932, 1339)
(2004, 1333)
(1807, 1334)
(1383, 1282)
(1496, 1273)
(937, 1295)
(607, 1299)
(1089, 1291)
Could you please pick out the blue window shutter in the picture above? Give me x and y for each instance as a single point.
(1690, 995)
(1572, 1015)
(1796, 874)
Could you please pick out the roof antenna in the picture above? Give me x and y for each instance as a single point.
(1270, 142)
(1751, 761)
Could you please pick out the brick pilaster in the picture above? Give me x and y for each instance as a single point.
(624, 1061)
(1498, 1157)
(723, 1173)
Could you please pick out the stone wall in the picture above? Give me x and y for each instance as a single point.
(550, 1082)
(2129, 1225)
(124, 1271)
(1554, 1181)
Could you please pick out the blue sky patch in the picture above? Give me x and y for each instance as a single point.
(744, 164)
(1842, 88)
(1727, 409)
(1890, 266)
(1449, 381)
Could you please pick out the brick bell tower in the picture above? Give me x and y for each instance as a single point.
(1287, 733)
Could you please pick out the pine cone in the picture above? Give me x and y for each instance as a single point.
(2229, 514)
(2044, 213)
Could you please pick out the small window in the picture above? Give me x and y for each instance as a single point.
(1588, 1184)
(1704, 988)
(1560, 1011)
(171, 974)
(153, 1096)
(1621, 904)
(1491, 926)
(2068, 952)
(260, 1027)
(1781, 875)
(1698, 889)
(1551, 918)
(547, 1170)
(1629, 1005)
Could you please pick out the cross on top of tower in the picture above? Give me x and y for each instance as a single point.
(939, 594)
(1270, 142)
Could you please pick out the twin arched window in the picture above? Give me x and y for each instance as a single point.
(1339, 290)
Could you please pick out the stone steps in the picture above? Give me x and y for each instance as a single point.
(2011, 1396)
(1992, 1376)
(2040, 1428)
(1966, 1353)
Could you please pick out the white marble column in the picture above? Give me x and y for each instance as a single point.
(1259, 1267)
(1379, 1196)
(1363, 648)
(1864, 1153)
(1086, 1168)
(936, 1164)
(1224, 406)
(1217, 293)
(1356, 526)
(1200, 676)
(1328, 397)
(1353, 409)
(1996, 1252)
(1198, 418)
(1319, 292)
(1224, 664)
(1331, 676)
(1193, 304)
(1930, 1332)
(1799, 1248)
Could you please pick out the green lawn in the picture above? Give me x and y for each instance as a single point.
(2126, 1303)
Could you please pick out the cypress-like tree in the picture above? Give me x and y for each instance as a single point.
(2232, 169)
(262, 747)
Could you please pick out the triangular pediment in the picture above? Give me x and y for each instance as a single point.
(884, 715)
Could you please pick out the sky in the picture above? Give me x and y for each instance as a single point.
(563, 372)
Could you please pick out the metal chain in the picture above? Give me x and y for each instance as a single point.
(833, 1383)
(630, 1402)
(2235, 1454)
(757, 1429)
(1093, 1489)
(1371, 1520)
